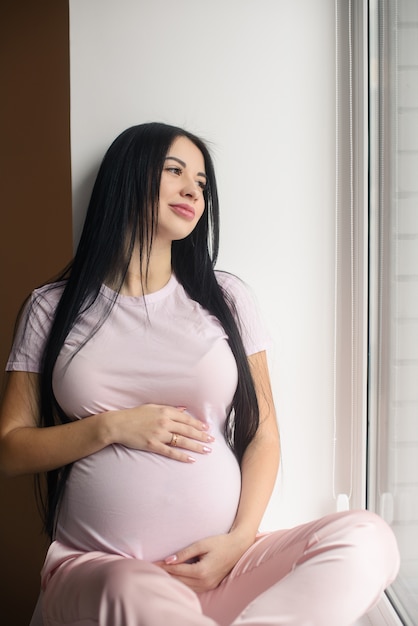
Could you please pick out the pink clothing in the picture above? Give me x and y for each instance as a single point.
(123, 508)
(163, 349)
(324, 573)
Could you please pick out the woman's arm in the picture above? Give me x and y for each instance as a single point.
(260, 463)
(204, 564)
(27, 449)
(24, 447)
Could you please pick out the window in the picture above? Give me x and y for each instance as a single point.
(393, 285)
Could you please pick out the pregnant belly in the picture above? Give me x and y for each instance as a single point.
(146, 506)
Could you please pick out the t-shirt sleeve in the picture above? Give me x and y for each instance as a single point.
(31, 334)
(245, 310)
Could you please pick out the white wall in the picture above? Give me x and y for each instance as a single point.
(256, 78)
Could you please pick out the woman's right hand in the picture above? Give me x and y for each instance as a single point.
(27, 449)
(169, 431)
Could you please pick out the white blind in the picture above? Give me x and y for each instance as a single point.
(394, 212)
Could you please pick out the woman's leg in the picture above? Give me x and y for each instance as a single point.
(325, 573)
(108, 590)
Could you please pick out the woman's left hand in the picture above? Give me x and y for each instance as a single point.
(203, 565)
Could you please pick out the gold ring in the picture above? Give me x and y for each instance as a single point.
(173, 441)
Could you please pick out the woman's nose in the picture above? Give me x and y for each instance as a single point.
(190, 189)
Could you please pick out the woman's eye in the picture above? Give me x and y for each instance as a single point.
(174, 170)
(177, 171)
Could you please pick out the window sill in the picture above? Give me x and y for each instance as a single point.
(381, 615)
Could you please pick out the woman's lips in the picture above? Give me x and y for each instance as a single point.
(183, 210)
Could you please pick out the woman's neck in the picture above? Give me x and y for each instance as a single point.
(141, 279)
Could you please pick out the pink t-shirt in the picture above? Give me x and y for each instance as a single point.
(163, 348)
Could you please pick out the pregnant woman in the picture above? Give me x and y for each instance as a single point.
(139, 385)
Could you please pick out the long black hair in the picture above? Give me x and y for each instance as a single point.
(123, 210)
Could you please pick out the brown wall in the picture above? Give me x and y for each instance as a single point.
(35, 236)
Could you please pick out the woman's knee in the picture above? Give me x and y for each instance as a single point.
(373, 542)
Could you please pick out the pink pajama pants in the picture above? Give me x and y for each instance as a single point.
(325, 573)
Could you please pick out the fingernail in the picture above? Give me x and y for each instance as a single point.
(206, 449)
(205, 426)
(210, 438)
(181, 408)
(191, 459)
(171, 559)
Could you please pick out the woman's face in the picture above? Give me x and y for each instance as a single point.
(181, 202)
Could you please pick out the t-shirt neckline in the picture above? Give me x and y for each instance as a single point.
(149, 298)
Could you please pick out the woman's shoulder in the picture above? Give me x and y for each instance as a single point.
(49, 293)
(43, 300)
(227, 279)
(234, 286)
(245, 309)
(34, 323)
(238, 293)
